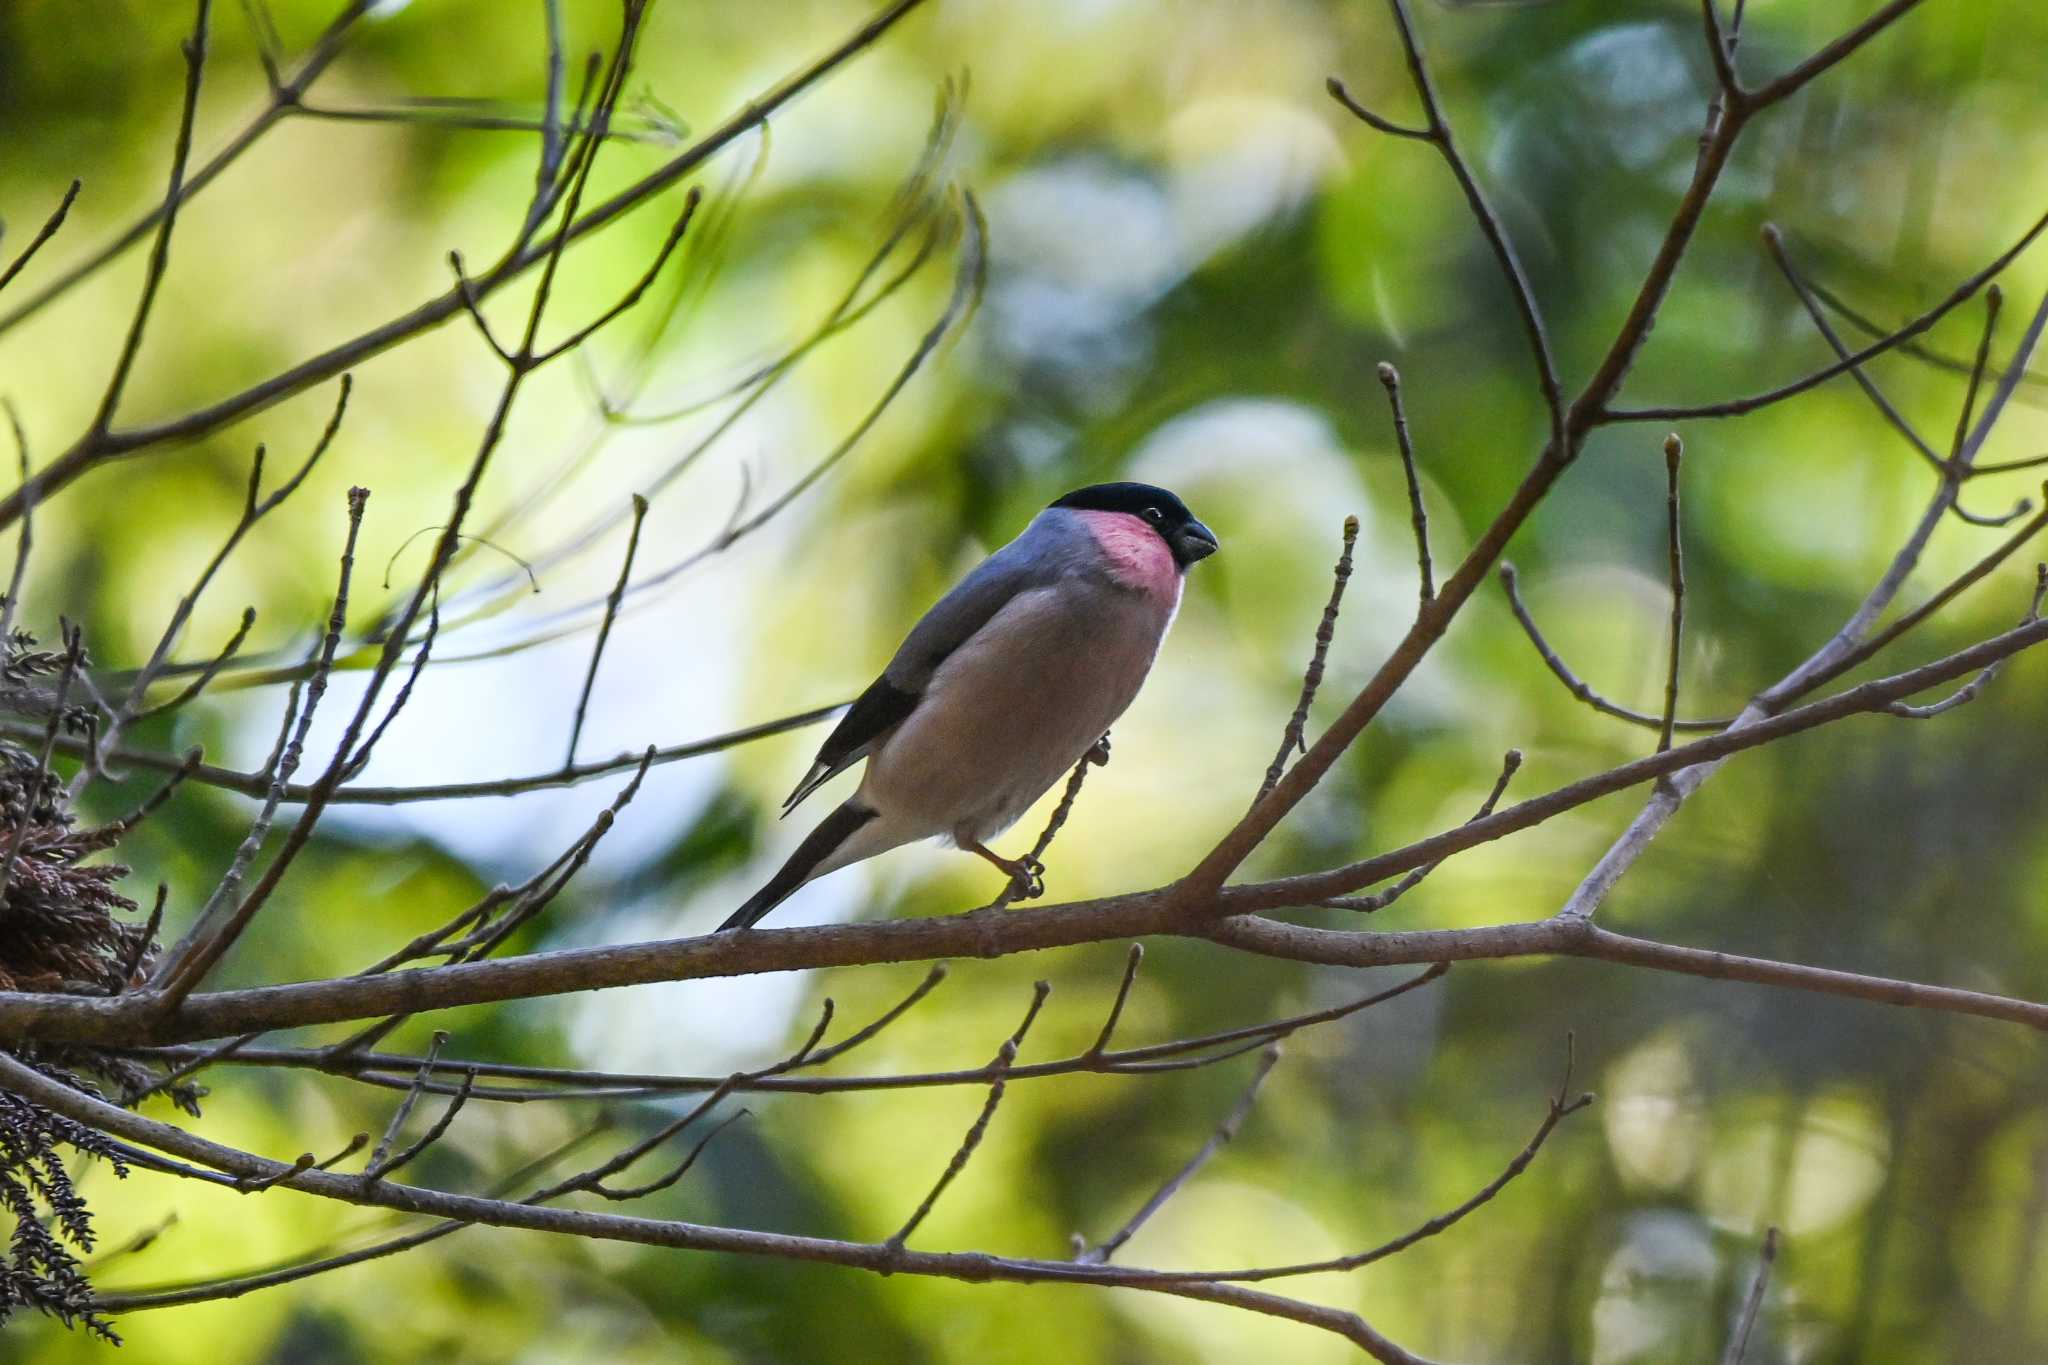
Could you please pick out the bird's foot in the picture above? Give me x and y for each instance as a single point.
(1099, 754)
(1027, 878)
(1027, 874)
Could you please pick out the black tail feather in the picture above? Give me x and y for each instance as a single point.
(834, 830)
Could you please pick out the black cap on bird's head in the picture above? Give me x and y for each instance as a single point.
(1156, 507)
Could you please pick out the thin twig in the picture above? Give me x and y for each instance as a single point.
(551, 132)
(1511, 763)
(258, 783)
(1132, 961)
(1391, 378)
(1674, 451)
(325, 49)
(1736, 407)
(1510, 583)
(1561, 1107)
(1218, 1140)
(1862, 322)
(1766, 1258)
(1721, 50)
(466, 290)
(222, 918)
(131, 966)
(1180, 1054)
(255, 506)
(1291, 739)
(631, 296)
(379, 1169)
(405, 1107)
(18, 581)
(127, 823)
(190, 692)
(361, 757)
(160, 250)
(675, 1172)
(1774, 246)
(1438, 133)
(1968, 692)
(1000, 1067)
(49, 230)
(604, 629)
(818, 1056)
(1343, 96)
(878, 1258)
(306, 1162)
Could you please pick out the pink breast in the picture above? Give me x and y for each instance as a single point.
(1137, 557)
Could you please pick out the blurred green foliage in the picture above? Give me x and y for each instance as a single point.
(1196, 260)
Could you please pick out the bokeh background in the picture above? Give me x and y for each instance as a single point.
(1195, 259)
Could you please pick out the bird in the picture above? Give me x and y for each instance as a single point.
(1003, 686)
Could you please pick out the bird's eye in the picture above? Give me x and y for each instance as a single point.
(1154, 514)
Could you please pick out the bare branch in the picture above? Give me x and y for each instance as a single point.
(1343, 96)
(466, 290)
(817, 1056)
(1312, 677)
(156, 799)
(1804, 73)
(218, 1014)
(93, 450)
(1562, 1106)
(222, 919)
(604, 630)
(1774, 246)
(257, 784)
(1000, 1067)
(1738, 1345)
(160, 250)
(49, 230)
(404, 1110)
(251, 1184)
(361, 758)
(1573, 683)
(325, 49)
(18, 580)
(1218, 1140)
(255, 506)
(1736, 407)
(1132, 960)
(377, 1170)
(190, 692)
(1180, 1054)
(640, 287)
(1438, 133)
(1721, 49)
(878, 1257)
(1391, 378)
(1967, 693)
(1862, 322)
(1511, 762)
(1674, 451)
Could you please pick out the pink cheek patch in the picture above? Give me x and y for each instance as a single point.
(1137, 556)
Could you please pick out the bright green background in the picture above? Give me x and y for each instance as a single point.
(1196, 260)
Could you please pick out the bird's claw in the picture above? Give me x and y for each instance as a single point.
(1098, 754)
(1028, 880)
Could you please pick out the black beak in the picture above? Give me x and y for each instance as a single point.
(1193, 541)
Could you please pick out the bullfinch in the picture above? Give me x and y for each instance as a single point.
(1002, 687)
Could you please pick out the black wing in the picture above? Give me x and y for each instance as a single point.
(873, 714)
